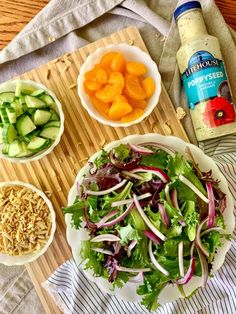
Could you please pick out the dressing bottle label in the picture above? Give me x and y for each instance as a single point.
(205, 80)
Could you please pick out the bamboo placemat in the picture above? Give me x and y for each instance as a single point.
(83, 136)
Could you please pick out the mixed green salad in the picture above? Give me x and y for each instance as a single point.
(153, 217)
(29, 122)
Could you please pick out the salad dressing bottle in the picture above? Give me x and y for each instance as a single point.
(203, 74)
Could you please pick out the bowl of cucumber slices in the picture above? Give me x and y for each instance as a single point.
(31, 121)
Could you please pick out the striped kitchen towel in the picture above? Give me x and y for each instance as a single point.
(74, 293)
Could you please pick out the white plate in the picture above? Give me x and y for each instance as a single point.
(170, 293)
(11, 86)
(24, 259)
(131, 53)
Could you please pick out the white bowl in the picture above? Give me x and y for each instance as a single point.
(131, 53)
(10, 86)
(10, 260)
(170, 292)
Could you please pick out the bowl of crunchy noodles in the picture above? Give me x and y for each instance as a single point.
(27, 223)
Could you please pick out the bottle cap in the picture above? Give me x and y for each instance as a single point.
(185, 7)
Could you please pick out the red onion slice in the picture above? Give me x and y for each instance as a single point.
(188, 276)
(118, 219)
(105, 237)
(181, 258)
(198, 238)
(132, 175)
(164, 215)
(204, 265)
(100, 250)
(132, 270)
(141, 150)
(137, 279)
(211, 229)
(131, 246)
(193, 188)
(150, 235)
(89, 224)
(107, 217)
(158, 172)
(114, 188)
(164, 147)
(155, 262)
(174, 199)
(167, 193)
(147, 221)
(212, 209)
(130, 200)
(190, 271)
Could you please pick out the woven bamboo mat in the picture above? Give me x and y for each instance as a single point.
(83, 136)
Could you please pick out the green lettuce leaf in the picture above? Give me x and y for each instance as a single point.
(122, 152)
(158, 160)
(128, 233)
(102, 160)
(77, 212)
(212, 240)
(108, 199)
(93, 260)
(179, 165)
(191, 217)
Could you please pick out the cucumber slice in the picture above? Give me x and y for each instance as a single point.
(5, 105)
(14, 149)
(25, 108)
(37, 144)
(7, 97)
(22, 100)
(38, 93)
(5, 149)
(34, 102)
(25, 125)
(4, 115)
(52, 123)
(55, 116)
(18, 89)
(11, 115)
(47, 99)
(18, 108)
(41, 117)
(28, 91)
(31, 135)
(50, 132)
(9, 133)
(24, 151)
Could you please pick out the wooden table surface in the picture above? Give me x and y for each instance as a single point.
(15, 14)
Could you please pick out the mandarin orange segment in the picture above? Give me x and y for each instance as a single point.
(107, 59)
(101, 75)
(116, 78)
(121, 98)
(118, 63)
(92, 85)
(101, 106)
(136, 68)
(108, 93)
(133, 87)
(88, 91)
(91, 74)
(133, 115)
(142, 104)
(148, 85)
(118, 110)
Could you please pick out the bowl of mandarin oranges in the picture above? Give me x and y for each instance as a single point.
(119, 85)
